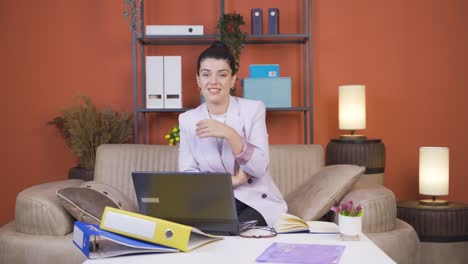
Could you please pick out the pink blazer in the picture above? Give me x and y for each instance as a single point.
(247, 117)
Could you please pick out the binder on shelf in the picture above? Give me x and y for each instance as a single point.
(264, 70)
(273, 92)
(256, 17)
(96, 243)
(154, 82)
(172, 82)
(163, 82)
(154, 230)
(174, 30)
(273, 21)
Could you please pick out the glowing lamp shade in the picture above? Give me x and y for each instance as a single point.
(434, 172)
(352, 107)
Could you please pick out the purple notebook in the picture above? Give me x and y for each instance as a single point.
(302, 253)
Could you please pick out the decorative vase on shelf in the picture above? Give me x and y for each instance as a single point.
(350, 227)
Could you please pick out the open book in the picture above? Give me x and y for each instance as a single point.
(288, 223)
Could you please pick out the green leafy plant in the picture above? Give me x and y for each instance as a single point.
(84, 128)
(132, 11)
(173, 137)
(230, 33)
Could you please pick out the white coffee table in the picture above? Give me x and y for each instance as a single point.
(246, 250)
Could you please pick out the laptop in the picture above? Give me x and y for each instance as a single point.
(202, 200)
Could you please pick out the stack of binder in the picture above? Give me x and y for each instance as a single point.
(96, 243)
(122, 232)
(265, 85)
(163, 82)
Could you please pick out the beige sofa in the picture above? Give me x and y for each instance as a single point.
(41, 230)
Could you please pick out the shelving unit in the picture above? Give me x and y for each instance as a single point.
(304, 39)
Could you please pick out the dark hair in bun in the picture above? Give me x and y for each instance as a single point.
(217, 50)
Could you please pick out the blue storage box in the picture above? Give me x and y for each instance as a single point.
(264, 70)
(274, 92)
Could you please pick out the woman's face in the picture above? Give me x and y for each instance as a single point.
(215, 80)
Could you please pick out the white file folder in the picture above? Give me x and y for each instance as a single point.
(172, 82)
(174, 30)
(154, 82)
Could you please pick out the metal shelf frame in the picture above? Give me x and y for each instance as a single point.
(305, 39)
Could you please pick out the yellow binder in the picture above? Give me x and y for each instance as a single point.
(154, 230)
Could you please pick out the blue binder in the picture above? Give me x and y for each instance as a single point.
(273, 21)
(96, 243)
(264, 70)
(256, 17)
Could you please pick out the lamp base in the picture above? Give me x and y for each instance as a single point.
(433, 202)
(352, 137)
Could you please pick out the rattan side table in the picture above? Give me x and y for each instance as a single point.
(436, 223)
(442, 230)
(369, 153)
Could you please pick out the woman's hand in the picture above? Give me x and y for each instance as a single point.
(212, 128)
(240, 178)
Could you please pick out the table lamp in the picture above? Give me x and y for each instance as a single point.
(352, 148)
(433, 174)
(352, 109)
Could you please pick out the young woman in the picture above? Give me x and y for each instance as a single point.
(228, 134)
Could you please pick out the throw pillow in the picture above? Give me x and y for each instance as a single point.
(314, 198)
(87, 202)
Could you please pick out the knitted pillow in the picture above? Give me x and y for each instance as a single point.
(315, 197)
(87, 202)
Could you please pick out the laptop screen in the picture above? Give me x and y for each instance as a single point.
(202, 200)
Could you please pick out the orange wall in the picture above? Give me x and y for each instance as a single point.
(413, 58)
(411, 55)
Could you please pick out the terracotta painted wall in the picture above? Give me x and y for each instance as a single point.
(413, 58)
(411, 55)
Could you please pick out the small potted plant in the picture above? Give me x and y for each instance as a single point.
(230, 34)
(173, 136)
(349, 219)
(84, 128)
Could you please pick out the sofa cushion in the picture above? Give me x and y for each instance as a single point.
(38, 211)
(402, 244)
(87, 202)
(314, 198)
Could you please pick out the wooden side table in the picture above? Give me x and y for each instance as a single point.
(442, 230)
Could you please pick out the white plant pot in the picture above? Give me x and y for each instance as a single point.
(350, 225)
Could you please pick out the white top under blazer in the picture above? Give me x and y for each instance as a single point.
(196, 154)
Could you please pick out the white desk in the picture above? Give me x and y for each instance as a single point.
(245, 250)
